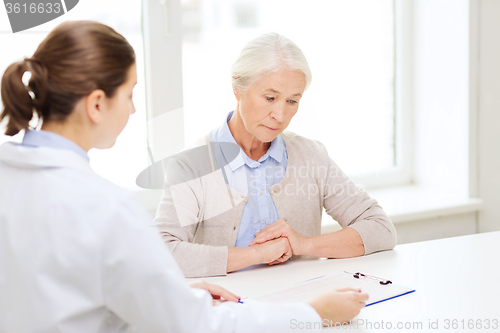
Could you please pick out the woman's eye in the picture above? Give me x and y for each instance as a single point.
(292, 102)
(270, 98)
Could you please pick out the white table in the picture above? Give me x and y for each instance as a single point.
(457, 282)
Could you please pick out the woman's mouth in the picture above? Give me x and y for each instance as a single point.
(270, 128)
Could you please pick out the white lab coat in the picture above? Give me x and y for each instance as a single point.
(79, 254)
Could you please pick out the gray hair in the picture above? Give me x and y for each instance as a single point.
(267, 54)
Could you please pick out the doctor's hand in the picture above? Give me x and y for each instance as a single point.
(216, 291)
(339, 306)
(281, 229)
(274, 251)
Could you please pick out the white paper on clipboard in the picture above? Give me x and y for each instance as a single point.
(306, 290)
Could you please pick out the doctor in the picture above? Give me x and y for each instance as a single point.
(77, 253)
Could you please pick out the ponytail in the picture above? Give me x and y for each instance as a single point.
(75, 59)
(17, 102)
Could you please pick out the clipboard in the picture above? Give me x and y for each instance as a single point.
(378, 289)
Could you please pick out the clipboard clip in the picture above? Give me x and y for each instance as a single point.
(383, 282)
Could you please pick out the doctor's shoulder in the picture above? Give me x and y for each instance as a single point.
(108, 200)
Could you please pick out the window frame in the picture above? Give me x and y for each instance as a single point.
(162, 16)
(162, 31)
(403, 173)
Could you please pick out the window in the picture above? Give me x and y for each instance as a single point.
(353, 105)
(122, 163)
(351, 49)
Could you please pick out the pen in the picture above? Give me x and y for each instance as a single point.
(239, 301)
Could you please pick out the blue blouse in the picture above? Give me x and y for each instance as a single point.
(254, 179)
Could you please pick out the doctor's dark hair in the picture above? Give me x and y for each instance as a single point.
(75, 59)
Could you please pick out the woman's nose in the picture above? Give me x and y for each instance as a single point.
(279, 113)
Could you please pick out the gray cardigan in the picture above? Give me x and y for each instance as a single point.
(199, 218)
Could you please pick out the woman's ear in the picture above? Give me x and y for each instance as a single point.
(236, 93)
(94, 105)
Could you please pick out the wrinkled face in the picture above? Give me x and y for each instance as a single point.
(269, 104)
(120, 107)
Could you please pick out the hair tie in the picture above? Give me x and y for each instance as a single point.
(26, 77)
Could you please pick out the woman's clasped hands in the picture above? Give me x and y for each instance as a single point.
(278, 241)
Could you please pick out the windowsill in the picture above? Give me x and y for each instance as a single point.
(414, 203)
(411, 203)
(402, 204)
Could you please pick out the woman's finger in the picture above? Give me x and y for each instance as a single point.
(349, 289)
(363, 297)
(270, 234)
(218, 291)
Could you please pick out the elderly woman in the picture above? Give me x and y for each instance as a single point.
(263, 202)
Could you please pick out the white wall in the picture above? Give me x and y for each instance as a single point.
(435, 228)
